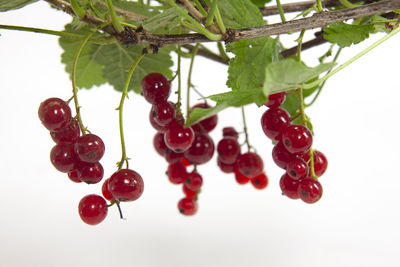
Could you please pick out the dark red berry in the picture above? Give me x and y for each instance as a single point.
(274, 121)
(281, 156)
(208, 124)
(228, 150)
(240, 178)
(155, 88)
(185, 162)
(201, 150)
(54, 114)
(89, 148)
(177, 173)
(178, 138)
(310, 190)
(187, 206)
(104, 190)
(194, 181)
(297, 138)
(163, 113)
(297, 169)
(289, 186)
(173, 157)
(260, 181)
(90, 173)
(92, 209)
(126, 185)
(227, 168)
(74, 176)
(320, 162)
(155, 125)
(159, 144)
(230, 132)
(188, 192)
(68, 134)
(63, 157)
(250, 164)
(275, 100)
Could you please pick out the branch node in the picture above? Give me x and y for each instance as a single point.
(230, 36)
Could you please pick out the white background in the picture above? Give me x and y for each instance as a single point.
(356, 223)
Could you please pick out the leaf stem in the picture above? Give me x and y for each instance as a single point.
(189, 80)
(245, 130)
(319, 6)
(200, 8)
(114, 18)
(79, 12)
(347, 4)
(219, 21)
(211, 13)
(179, 102)
(280, 9)
(120, 111)
(222, 52)
(300, 42)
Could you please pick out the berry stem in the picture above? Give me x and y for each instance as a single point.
(211, 13)
(313, 175)
(222, 51)
(319, 6)
(246, 134)
(280, 9)
(219, 21)
(114, 18)
(179, 102)
(200, 7)
(79, 12)
(120, 111)
(189, 79)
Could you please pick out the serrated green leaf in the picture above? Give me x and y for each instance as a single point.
(346, 34)
(167, 22)
(247, 69)
(238, 14)
(260, 3)
(117, 60)
(199, 114)
(6, 5)
(290, 74)
(89, 72)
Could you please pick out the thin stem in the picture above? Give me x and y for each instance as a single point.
(347, 4)
(222, 52)
(211, 13)
(311, 155)
(128, 25)
(200, 8)
(319, 6)
(95, 10)
(189, 80)
(79, 12)
(119, 210)
(114, 18)
(220, 22)
(179, 103)
(300, 42)
(120, 110)
(280, 9)
(245, 130)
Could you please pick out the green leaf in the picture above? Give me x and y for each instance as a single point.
(89, 72)
(6, 5)
(117, 60)
(238, 14)
(247, 69)
(290, 74)
(260, 3)
(199, 114)
(167, 22)
(346, 34)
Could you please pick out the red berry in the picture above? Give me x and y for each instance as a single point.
(188, 192)
(289, 186)
(163, 113)
(74, 176)
(320, 162)
(92, 209)
(230, 132)
(297, 169)
(227, 168)
(275, 100)
(185, 162)
(187, 206)
(68, 134)
(297, 138)
(194, 181)
(178, 138)
(90, 173)
(310, 190)
(281, 156)
(274, 121)
(240, 178)
(228, 150)
(173, 157)
(105, 191)
(201, 150)
(206, 125)
(63, 157)
(54, 114)
(250, 164)
(126, 185)
(177, 173)
(260, 181)
(159, 144)
(89, 148)
(155, 88)
(155, 125)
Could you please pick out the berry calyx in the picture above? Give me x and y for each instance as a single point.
(194, 181)
(250, 164)
(54, 113)
(208, 124)
(178, 138)
(126, 185)
(297, 169)
(310, 190)
(260, 181)
(187, 206)
(89, 148)
(228, 150)
(289, 186)
(297, 138)
(201, 150)
(275, 100)
(155, 88)
(92, 209)
(274, 121)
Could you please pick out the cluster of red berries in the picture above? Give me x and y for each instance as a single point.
(292, 152)
(180, 146)
(247, 167)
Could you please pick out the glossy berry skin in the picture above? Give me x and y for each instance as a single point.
(178, 138)
(310, 190)
(126, 185)
(177, 173)
(90, 173)
(320, 162)
(275, 100)
(194, 181)
(230, 132)
(92, 209)
(185, 162)
(227, 168)
(240, 178)
(297, 169)
(289, 187)
(163, 113)
(89, 148)
(250, 164)
(173, 157)
(188, 192)
(202, 149)
(297, 138)
(74, 176)
(228, 150)
(68, 134)
(155, 88)
(159, 144)
(105, 192)
(54, 113)
(281, 156)
(187, 206)
(208, 124)
(274, 121)
(155, 125)
(260, 181)
(63, 157)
